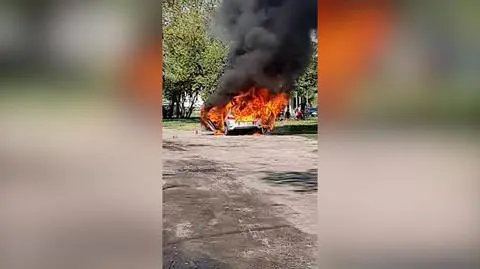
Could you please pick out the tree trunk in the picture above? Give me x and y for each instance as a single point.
(192, 105)
(170, 108)
(177, 105)
(182, 105)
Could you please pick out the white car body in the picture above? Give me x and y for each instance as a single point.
(231, 124)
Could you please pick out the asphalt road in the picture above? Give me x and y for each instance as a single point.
(238, 201)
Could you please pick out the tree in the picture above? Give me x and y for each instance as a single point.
(307, 84)
(192, 58)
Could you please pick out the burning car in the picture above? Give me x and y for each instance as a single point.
(234, 124)
(255, 108)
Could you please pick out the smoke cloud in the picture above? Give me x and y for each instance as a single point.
(270, 45)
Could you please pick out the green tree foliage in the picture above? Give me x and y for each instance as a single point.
(306, 85)
(193, 59)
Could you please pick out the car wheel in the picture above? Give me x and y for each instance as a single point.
(225, 130)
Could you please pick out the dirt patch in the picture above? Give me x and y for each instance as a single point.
(176, 257)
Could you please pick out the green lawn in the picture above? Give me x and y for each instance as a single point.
(182, 124)
(306, 128)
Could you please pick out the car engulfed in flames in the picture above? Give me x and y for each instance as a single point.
(255, 108)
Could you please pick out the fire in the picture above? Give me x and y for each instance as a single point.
(251, 105)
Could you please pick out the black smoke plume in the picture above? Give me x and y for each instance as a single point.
(270, 45)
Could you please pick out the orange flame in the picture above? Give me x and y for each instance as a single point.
(251, 105)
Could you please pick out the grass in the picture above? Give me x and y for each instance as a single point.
(182, 124)
(306, 128)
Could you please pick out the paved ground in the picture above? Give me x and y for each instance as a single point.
(238, 201)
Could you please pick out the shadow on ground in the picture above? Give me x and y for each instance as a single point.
(172, 146)
(301, 181)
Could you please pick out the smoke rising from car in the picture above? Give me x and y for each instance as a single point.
(270, 45)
